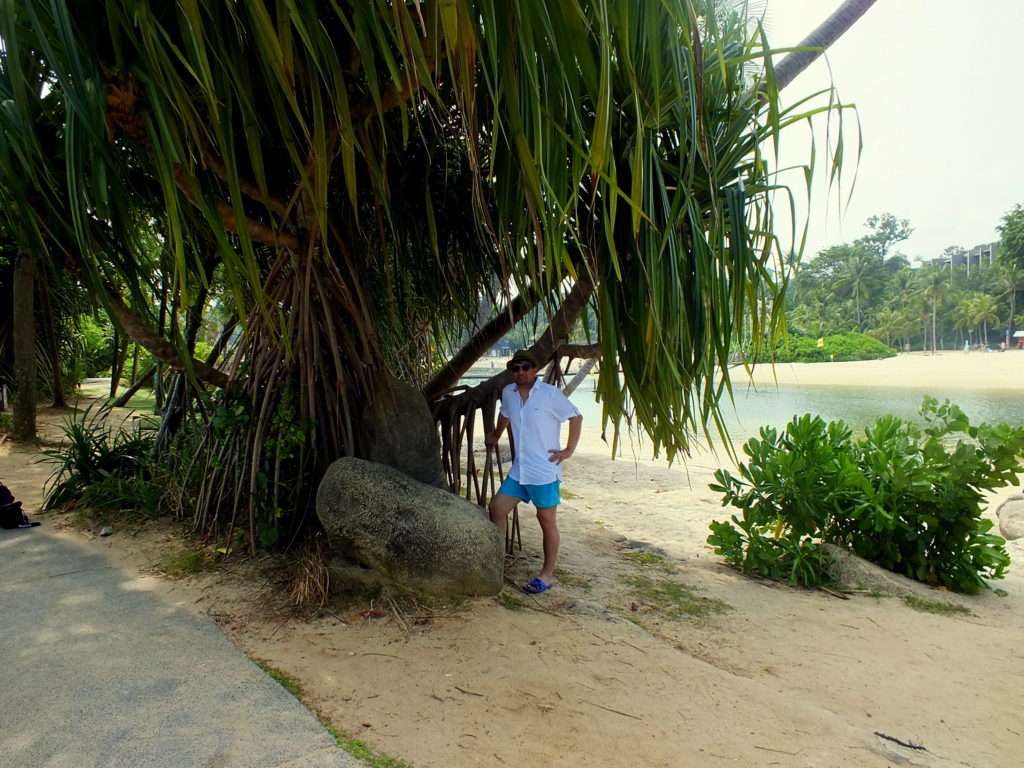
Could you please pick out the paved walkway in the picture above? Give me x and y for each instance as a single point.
(95, 671)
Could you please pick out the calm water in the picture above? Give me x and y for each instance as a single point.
(858, 407)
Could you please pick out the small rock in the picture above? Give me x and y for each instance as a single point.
(1011, 517)
(106, 530)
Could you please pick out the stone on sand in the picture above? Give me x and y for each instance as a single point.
(415, 534)
(1011, 517)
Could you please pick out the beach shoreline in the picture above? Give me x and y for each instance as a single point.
(910, 370)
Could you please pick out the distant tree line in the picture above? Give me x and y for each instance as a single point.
(867, 286)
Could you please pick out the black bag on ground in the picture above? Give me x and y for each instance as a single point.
(11, 515)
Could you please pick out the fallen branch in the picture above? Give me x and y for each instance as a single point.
(610, 709)
(907, 744)
(840, 595)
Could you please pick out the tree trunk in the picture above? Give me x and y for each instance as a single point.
(933, 327)
(580, 376)
(180, 391)
(821, 38)
(24, 333)
(135, 362)
(117, 364)
(129, 393)
(482, 340)
(159, 347)
(53, 346)
(1009, 322)
(158, 381)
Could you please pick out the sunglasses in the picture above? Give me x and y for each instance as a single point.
(521, 367)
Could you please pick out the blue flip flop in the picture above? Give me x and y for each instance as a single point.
(535, 587)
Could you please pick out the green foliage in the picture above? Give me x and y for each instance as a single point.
(864, 286)
(905, 497)
(6, 422)
(187, 562)
(95, 339)
(838, 347)
(104, 464)
(1011, 242)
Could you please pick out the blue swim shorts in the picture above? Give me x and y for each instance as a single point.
(541, 496)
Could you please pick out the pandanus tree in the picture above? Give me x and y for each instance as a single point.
(365, 171)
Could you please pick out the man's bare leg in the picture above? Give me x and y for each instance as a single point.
(499, 508)
(549, 527)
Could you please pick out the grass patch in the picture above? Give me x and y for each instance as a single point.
(673, 599)
(570, 579)
(599, 523)
(6, 422)
(940, 607)
(358, 749)
(511, 601)
(286, 681)
(187, 562)
(567, 494)
(645, 558)
(361, 750)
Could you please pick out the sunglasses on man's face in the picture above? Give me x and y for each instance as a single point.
(522, 367)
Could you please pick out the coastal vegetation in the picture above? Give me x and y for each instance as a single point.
(906, 497)
(839, 347)
(947, 302)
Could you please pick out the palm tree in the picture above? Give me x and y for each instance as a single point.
(887, 325)
(963, 317)
(1009, 280)
(821, 38)
(374, 170)
(858, 277)
(984, 312)
(933, 284)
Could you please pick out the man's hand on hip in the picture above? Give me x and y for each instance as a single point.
(559, 456)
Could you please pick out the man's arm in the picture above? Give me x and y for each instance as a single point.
(575, 427)
(493, 438)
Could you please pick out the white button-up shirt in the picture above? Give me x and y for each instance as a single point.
(536, 430)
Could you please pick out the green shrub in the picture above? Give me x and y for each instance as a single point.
(104, 465)
(6, 422)
(840, 347)
(907, 498)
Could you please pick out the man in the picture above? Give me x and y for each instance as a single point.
(535, 411)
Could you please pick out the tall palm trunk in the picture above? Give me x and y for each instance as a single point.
(51, 325)
(821, 38)
(1009, 322)
(24, 349)
(933, 326)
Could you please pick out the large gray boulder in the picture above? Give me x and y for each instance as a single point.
(1011, 517)
(398, 430)
(415, 534)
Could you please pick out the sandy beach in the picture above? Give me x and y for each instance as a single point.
(949, 370)
(649, 651)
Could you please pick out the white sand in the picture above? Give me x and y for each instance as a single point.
(598, 673)
(948, 370)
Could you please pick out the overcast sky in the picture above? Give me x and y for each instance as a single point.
(938, 89)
